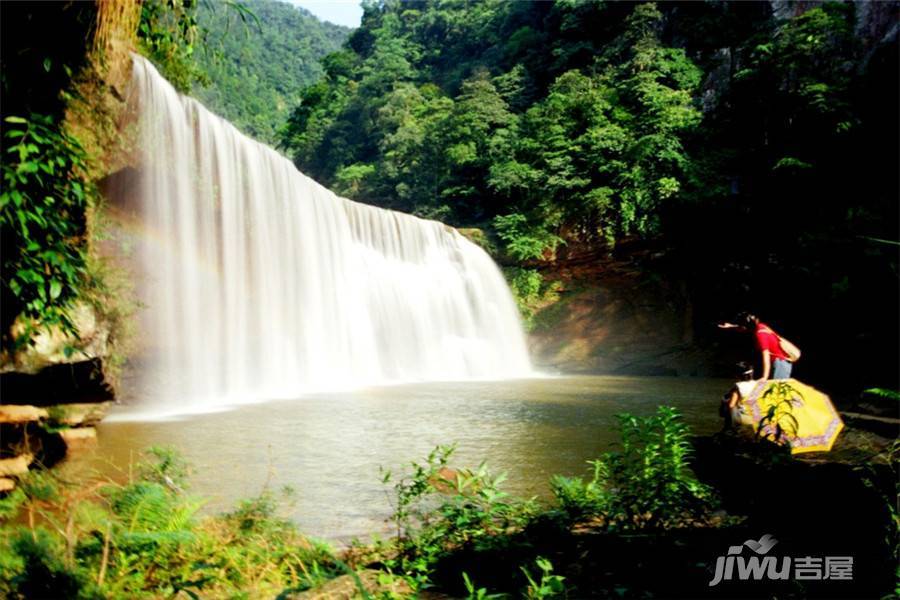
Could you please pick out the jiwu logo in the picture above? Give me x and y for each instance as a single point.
(753, 566)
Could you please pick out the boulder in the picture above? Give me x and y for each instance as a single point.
(19, 414)
(15, 466)
(78, 437)
(79, 415)
(54, 346)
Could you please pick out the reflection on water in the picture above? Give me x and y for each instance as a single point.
(329, 447)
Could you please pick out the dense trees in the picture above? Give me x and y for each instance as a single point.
(512, 112)
(558, 122)
(758, 147)
(583, 120)
(256, 60)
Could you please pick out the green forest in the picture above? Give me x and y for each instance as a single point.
(582, 122)
(756, 149)
(255, 67)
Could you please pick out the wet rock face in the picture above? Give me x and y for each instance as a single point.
(53, 346)
(15, 466)
(34, 437)
(613, 319)
(78, 437)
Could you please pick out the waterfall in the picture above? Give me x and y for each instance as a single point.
(257, 282)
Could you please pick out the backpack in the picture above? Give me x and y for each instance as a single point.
(791, 350)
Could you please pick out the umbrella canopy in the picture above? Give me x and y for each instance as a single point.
(786, 410)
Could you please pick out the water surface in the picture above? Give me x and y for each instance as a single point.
(329, 447)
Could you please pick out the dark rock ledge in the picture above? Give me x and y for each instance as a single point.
(47, 414)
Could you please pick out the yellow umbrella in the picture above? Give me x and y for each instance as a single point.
(786, 410)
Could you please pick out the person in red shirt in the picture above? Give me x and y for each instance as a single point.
(775, 361)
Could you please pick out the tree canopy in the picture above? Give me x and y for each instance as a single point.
(257, 59)
(524, 113)
(579, 121)
(759, 147)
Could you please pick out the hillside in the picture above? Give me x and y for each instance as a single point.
(256, 69)
(750, 144)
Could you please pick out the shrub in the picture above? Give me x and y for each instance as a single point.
(578, 498)
(146, 538)
(42, 216)
(531, 292)
(524, 239)
(647, 483)
(650, 479)
(549, 585)
(440, 510)
(40, 572)
(168, 34)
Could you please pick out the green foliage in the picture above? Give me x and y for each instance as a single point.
(531, 292)
(153, 530)
(804, 76)
(524, 240)
(42, 215)
(168, 34)
(526, 284)
(654, 485)
(549, 585)
(56, 416)
(473, 593)
(255, 69)
(439, 510)
(10, 504)
(427, 117)
(165, 466)
(147, 539)
(580, 499)
(648, 483)
(260, 514)
(883, 393)
(38, 570)
(890, 496)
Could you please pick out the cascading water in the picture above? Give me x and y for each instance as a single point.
(257, 282)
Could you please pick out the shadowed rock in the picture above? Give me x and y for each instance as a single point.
(80, 383)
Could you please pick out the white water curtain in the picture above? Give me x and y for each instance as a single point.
(260, 283)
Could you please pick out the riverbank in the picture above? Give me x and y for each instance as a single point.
(456, 525)
(840, 504)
